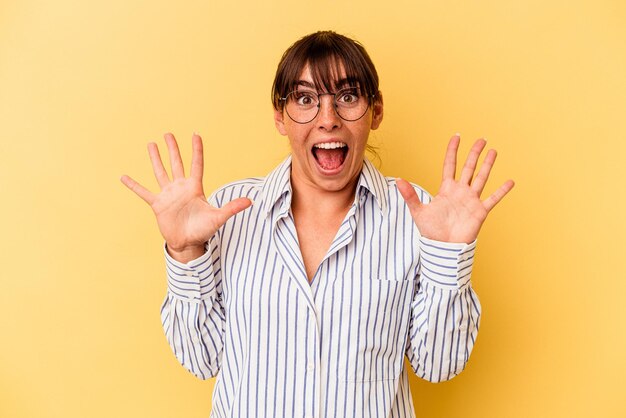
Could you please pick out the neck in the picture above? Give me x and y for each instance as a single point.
(310, 198)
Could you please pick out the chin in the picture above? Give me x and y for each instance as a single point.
(332, 185)
(338, 182)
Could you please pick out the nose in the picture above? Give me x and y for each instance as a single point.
(327, 117)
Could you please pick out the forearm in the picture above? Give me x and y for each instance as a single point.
(443, 332)
(192, 313)
(194, 331)
(445, 313)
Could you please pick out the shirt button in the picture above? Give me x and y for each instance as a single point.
(310, 367)
(189, 274)
(195, 339)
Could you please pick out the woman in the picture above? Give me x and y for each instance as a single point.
(304, 303)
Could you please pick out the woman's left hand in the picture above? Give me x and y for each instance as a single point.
(456, 213)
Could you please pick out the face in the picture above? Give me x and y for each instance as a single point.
(327, 153)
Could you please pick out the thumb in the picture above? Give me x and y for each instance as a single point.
(409, 195)
(232, 208)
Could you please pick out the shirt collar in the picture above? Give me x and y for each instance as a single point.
(278, 184)
(373, 181)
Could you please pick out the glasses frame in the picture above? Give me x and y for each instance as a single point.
(369, 97)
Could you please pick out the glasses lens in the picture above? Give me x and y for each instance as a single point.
(351, 105)
(302, 105)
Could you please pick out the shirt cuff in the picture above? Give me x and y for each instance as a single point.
(192, 281)
(446, 264)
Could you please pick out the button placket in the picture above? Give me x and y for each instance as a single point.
(312, 371)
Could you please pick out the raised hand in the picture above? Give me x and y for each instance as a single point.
(185, 218)
(456, 213)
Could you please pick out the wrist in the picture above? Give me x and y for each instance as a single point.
(185, 254)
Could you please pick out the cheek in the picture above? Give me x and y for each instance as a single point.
(297, 134)
(297, 146)
(362, 135)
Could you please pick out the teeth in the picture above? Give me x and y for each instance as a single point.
(330, 145)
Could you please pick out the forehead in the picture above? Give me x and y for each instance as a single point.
(327, 79)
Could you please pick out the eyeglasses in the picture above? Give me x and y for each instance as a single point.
(302, 106)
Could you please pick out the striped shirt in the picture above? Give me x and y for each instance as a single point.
(283, 347)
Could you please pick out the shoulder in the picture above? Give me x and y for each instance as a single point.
(385, 187)
(248, 187)
(395, 196)
(255, 188)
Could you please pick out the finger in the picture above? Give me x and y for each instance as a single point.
(497, 196)
(472, 160)
(483, 174)
(449, 162)
(408, 194)
(232, 208)
(175, 161)
(197, 157)
(139, 190)
(157, 165)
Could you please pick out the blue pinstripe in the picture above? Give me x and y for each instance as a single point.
(283, 347)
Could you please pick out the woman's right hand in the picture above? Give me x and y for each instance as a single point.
(185, 218)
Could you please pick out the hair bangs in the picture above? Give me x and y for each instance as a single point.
(335, 61)
(331, 73)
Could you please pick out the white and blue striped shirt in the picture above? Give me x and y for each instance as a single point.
(283, 347)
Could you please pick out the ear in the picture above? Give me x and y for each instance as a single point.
(377, 111)
(280, 122)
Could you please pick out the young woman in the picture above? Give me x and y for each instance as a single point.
(302, 291)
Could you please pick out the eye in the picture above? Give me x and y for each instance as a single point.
(348, 96)
(305, 98)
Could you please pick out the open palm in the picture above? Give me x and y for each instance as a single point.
(456, 213)
(185, 218)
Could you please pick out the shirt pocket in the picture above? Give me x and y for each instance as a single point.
(373, 328)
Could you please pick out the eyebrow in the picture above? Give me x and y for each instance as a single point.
(339, 84)
(306, 84)
(344, 82)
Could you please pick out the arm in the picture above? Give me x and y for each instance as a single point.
(192, 313)
(445, 312)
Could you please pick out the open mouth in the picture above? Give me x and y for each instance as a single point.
(330, 156)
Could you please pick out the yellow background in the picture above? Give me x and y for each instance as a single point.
(85, 85)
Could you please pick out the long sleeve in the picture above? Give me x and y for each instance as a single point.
(192, 313)
(445, 311)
